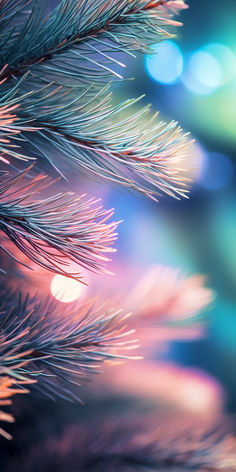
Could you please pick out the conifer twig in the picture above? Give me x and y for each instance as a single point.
(80, 37)
(57, 230)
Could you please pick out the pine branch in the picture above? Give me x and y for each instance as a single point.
(9, 126)
(131, 444)
(136, 151)
(85, 128)
(8, 388)
(57, 230)
(40, 343)
(80, 38)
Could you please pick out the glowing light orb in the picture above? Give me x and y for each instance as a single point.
(166, 65)
(66, 290)
(225, 58)
(217, 171)
(203, 74)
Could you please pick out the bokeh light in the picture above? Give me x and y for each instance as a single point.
(66, 290)
(225, 59)
(203, 73)
(217, 171)
(166, 65)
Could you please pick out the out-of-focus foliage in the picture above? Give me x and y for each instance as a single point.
(134, 444)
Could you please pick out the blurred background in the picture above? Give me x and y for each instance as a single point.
(192, 80)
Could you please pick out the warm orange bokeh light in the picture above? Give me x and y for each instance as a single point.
(66, 290)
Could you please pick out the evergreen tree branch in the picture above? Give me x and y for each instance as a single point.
(79, 37)
(136, 151)
(55, 349)
(56, 230)
(8, 388)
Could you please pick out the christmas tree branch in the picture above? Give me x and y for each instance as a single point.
(57, 230)
(41, 343)
(78, 38)
(8, 388)
(137, 151)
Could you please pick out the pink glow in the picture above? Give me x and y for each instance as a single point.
(186, 389)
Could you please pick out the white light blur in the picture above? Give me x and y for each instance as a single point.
(225, 58)
(203, 74)
(66, 290)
